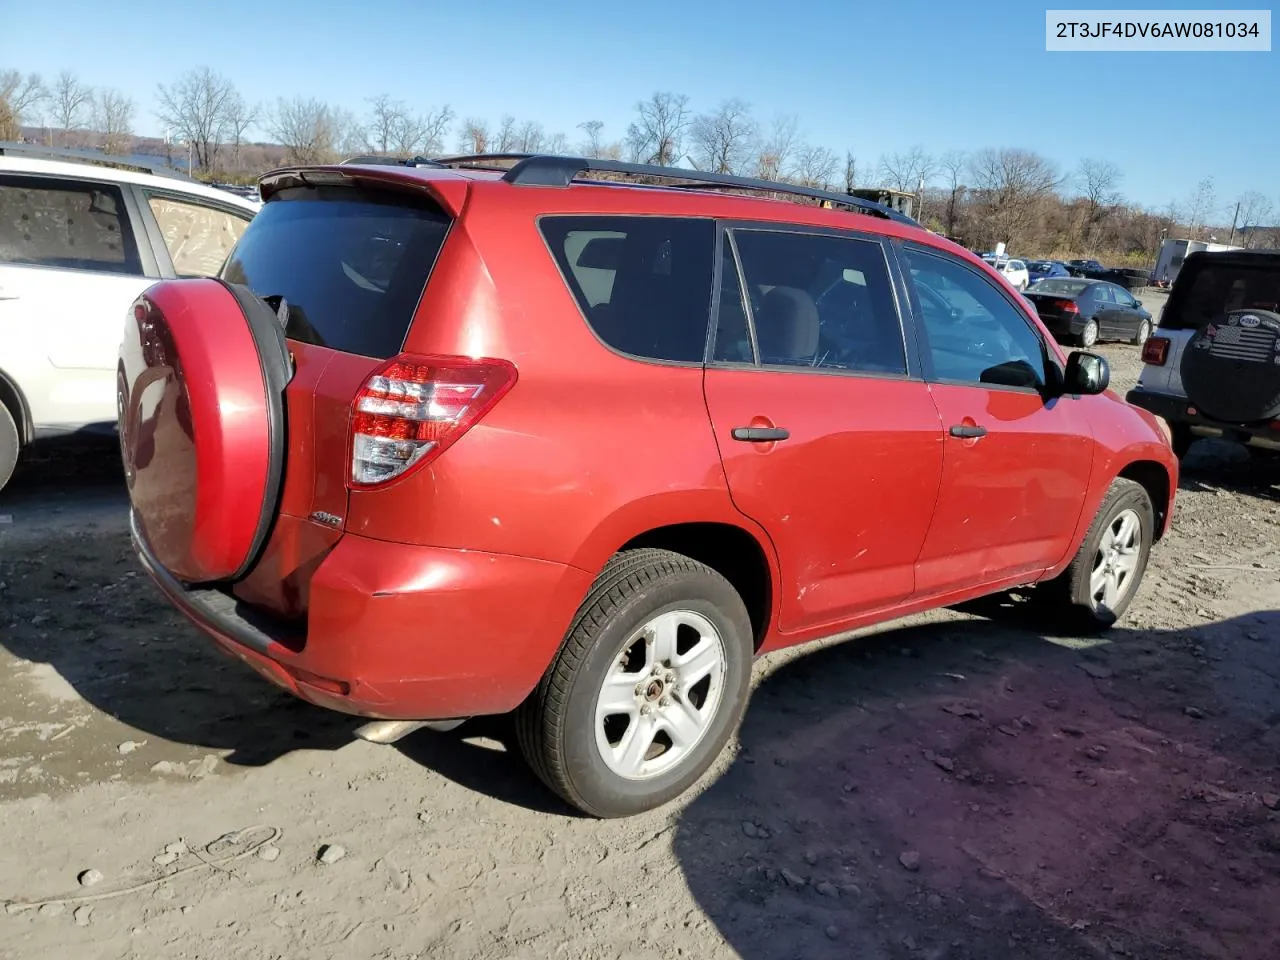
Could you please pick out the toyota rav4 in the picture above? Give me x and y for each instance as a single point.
(540, 434)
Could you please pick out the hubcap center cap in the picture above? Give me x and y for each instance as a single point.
(653, 691)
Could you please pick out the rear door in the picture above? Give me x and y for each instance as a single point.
(1016, 465)
(1103, 301)
(827, 433)
(70, 266)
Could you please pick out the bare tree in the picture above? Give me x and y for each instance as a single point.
(722, 138)
(658, 132)
(475, 136)
(777, 147)
(1255, 208)
(905, 171)
(530, 137)
(850, 171)
(433, 127)
(113, 116)
(953, 165)
(1200, 206)
(815, 167)
(1011, 183)
(307, 129)
(387, 119)
(592, 146)
(240, 115)
(557, 143)
(72, 102)
(20, 96)
(1099, 180)
(197, 108)
(507, 138)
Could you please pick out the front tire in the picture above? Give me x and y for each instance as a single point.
(651, 682)
(1143, 334)
(1096, 590)
(10, 446)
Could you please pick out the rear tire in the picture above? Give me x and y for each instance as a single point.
(10, 446)
(611, 668)
(1090, 593)
(1089, 335)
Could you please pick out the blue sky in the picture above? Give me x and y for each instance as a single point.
(871, 78)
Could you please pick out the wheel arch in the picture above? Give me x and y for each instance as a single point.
(1155, 479)
(13, 400)
(732, 552)
(705, 526)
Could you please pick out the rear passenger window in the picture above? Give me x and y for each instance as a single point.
(643, 283)
(54, 223)
(351, 264)
(821, 301)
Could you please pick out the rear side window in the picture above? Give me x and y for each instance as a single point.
(643, 283)
(351, 264)
(198, 236)
(1206, 290)
(56, 223)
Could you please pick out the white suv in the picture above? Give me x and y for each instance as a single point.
(78, 242)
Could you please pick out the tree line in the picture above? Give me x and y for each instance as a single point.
(979, 198)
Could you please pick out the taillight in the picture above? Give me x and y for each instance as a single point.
(412, 409)
(1068, 306)
(1155, 351)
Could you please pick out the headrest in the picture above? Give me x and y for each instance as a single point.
(787, 325)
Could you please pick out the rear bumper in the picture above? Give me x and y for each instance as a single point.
(396, 631)
(1177, 410)
(1061, 326)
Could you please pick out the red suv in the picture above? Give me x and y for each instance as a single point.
(453, 438)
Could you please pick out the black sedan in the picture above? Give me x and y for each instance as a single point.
(1083, 311)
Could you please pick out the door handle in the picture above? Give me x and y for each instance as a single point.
(968, 432)
(760, 434)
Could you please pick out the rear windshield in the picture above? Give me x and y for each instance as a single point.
(1205, 291)
(351, 264)
(1061, 288)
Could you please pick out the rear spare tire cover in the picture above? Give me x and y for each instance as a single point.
(200, 395)
(1231, 369)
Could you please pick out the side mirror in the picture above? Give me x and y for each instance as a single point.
(1086, 373)
(1137, 302)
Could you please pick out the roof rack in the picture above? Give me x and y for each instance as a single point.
(375, 158)
(559, 171)
(91, 156)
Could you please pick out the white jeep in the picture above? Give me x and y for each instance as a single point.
(79, 240)
(1212, 368)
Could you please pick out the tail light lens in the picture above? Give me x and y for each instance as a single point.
(412, 409)
(1155, 351)
(1067, 306)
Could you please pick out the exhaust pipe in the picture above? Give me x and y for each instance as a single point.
(389, 731)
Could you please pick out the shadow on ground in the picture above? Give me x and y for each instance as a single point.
(972, 790)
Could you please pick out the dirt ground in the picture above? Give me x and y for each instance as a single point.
(963, 784)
